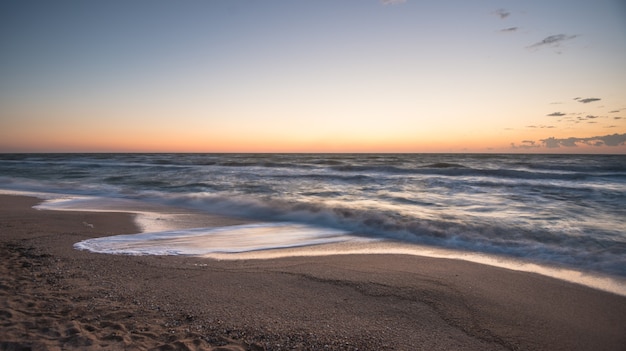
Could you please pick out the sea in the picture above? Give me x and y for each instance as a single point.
(560, 214)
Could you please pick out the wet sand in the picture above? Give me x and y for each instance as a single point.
(54, 297)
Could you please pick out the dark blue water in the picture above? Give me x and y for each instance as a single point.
(563, 210)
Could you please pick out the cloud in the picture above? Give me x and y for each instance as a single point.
(615, 139)
(509, 30)
(556, 114)
(606, 140)
(541, 127)
(502, 13)
(552, 40)
(526, 144)
(392, 2)
(587, 100)
(588, 117)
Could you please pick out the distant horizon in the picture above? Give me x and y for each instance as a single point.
(315, 153)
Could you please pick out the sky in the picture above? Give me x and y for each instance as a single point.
(313, 76)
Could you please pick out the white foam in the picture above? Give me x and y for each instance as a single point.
(229, 239)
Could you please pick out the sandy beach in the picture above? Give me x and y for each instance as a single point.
(54, 297)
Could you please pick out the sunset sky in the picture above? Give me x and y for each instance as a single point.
(313, 76)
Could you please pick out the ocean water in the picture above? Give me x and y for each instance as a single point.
(564, 211)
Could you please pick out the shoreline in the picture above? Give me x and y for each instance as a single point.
(59, 297)
(150, 217)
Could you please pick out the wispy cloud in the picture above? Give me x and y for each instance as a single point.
(587, 100)
(606, 140)
(502, 13)
(526, 144)
(392, 2)
(540, 127)
(552, 41)
(556, 114)
(509, 30)
(554, 142)
(587, 118)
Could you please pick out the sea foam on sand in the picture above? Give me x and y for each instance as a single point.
(172, 231)
(228, 239)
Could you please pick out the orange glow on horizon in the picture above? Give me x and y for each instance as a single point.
(191, 144)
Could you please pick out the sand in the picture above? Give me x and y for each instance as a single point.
(53, 297)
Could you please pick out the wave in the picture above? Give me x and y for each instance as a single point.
(472, 165)
(456, 170)
(605, 252)
(203, 241)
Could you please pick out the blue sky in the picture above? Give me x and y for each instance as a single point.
(413, 76)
